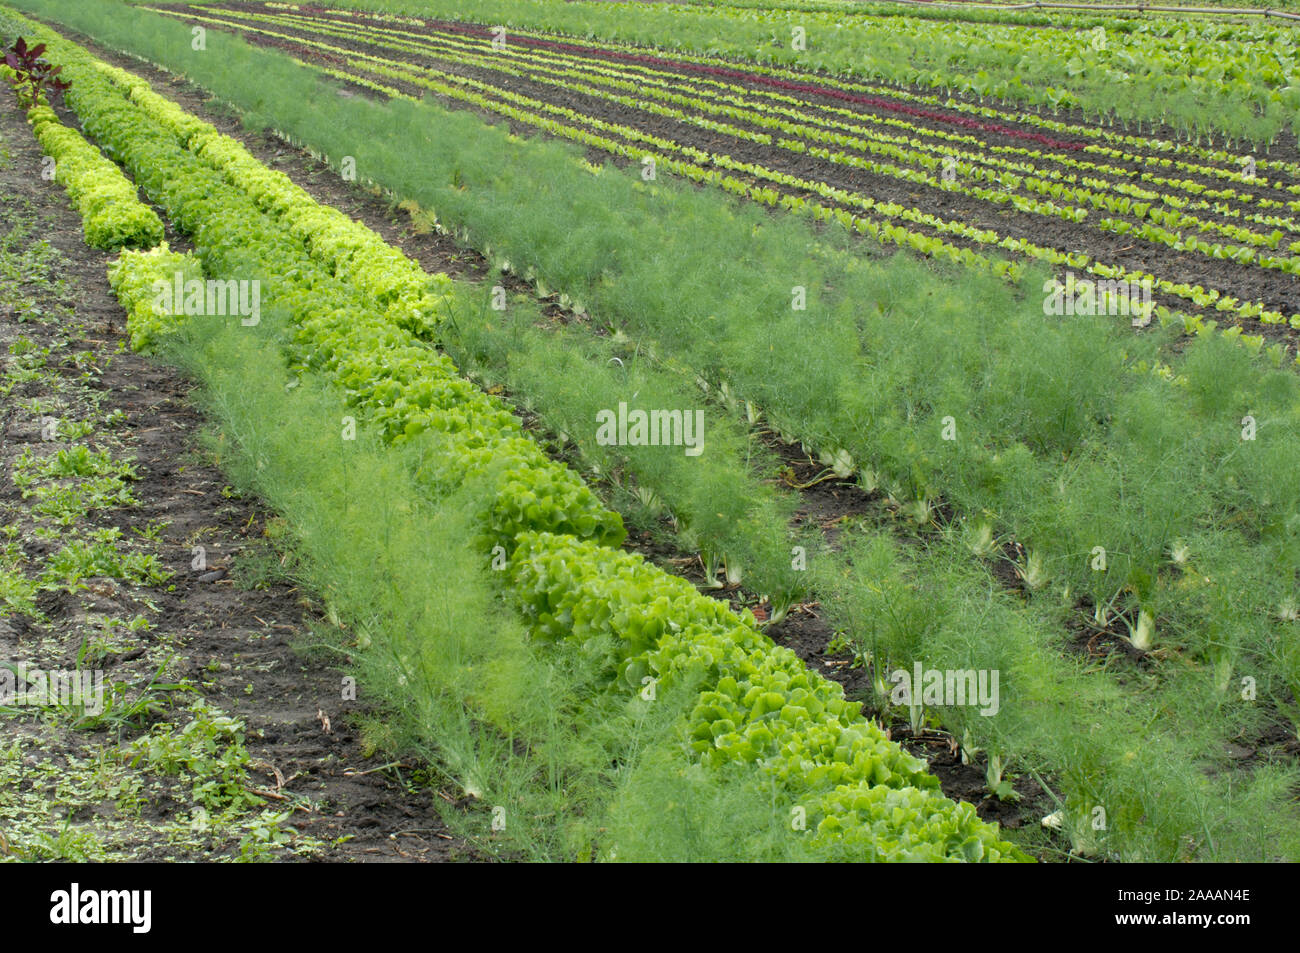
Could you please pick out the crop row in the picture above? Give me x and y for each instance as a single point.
(762, 706)
(937, 479)
(1180, 78)
(1067, 441)
(1048, 182)
(1000, 188)
(134, 278)
(615, 138)
(768, 84)
(111, 212)
(867, 796)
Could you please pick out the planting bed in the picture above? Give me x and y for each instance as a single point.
(1215, 237)
(1077, 526)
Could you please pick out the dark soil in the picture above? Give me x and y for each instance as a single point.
(244, 646)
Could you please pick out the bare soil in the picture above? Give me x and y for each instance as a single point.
(237, 633)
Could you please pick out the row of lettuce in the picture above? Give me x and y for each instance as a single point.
(362, 314)
(112, 214)
(652, 90)
(1201, 80)
(891, 223)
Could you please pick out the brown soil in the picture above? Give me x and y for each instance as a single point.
(243, 647)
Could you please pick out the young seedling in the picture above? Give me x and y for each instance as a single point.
(980, 541)
(918, 511)
(712, 563)
(780, 607)
(650, 500)
(998, 786)
(1178, 552)
(1032, 572)
(916, 716)
(1142, 635)
(1223, 659)
(1101, 614)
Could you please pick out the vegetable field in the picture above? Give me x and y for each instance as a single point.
(985, 187)
(791, 431)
